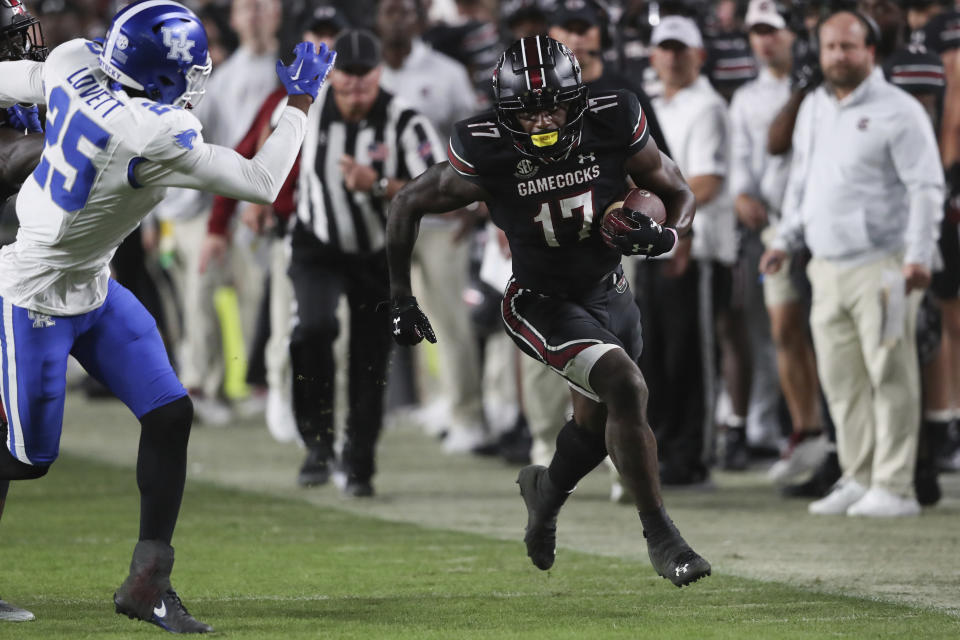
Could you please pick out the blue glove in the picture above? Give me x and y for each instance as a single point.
(25, 119)
(308, 71)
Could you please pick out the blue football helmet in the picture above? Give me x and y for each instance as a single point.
(158, 47)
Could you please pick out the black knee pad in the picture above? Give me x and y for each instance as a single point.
(172, 419)
(13, 469)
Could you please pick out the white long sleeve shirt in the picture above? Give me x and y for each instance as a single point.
(753, 171)
(695, 123)
(105, 165)
(866, 178)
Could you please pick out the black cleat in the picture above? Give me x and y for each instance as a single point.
(315, 470)
(168, 614)
(543, 502)
(146, 594)
(733, 449)
(674, 560)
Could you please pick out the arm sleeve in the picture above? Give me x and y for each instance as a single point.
(789, 235)
(917, 161)
(225, 172)
(709, 135)
(636, 126)
(21, 81)
(419, 146)
(742, 179)
(460, 158)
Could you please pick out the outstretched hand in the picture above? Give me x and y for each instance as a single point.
(309, 69)
(26, 119)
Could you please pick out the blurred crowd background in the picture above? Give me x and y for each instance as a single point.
(728, 354)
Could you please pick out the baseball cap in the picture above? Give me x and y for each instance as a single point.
(585, 11)
(358, 51)
(678, 28)
(764, 12)
(325, 16)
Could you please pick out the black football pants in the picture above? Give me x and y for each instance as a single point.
(318, 282)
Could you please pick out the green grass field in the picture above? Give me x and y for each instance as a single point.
(269, 561)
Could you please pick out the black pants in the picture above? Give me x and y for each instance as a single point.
(672, 362)
(318, 281)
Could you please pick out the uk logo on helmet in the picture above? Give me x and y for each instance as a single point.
(178, 44)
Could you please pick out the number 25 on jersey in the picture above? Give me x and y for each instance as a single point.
(78, 165)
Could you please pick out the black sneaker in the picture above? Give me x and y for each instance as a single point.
(10, 613)
(543, 502)
(358, 489)
(927, 485)
(168, 613)
(734, 455)
(315, 470)
(146, 594)
(674, 560)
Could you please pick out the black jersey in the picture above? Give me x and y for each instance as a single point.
(551, 210)
(941, 33)
(918, 72)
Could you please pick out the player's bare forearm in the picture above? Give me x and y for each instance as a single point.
(21, 153)
(437, 190)
(780, 135)
(652, 170)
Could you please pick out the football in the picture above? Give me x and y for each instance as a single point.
(646, 203)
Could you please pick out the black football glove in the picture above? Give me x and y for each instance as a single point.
(807, 74)
(410, 324)
(636, 234)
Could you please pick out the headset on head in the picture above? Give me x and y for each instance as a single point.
(869, 24)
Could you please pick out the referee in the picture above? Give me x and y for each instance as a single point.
(362, 146)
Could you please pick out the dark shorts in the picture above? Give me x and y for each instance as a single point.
(569, 334)
(946, 283)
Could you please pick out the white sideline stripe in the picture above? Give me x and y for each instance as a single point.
(13, 416)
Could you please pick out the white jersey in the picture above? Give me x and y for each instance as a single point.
(107, 161)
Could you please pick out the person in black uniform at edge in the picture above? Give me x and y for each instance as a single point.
(551, 167)
(21, 143)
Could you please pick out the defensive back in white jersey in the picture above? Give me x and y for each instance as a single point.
(82, 199)
(93, 185)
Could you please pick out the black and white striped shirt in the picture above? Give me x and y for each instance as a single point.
(394, 139)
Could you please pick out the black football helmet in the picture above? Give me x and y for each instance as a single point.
(535, 74)
(21, 37)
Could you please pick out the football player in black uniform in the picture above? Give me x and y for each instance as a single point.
(551, 164)
(20, 39)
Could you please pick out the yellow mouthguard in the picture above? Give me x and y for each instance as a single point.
(545, 139)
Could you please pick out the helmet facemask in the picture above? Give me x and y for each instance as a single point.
(23, 40)
(546, 80)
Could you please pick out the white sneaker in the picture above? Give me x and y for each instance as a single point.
(846, 492)
(281, 422)
(465, 439)
(799, 460)
(11, 613)
(881, 503)
(434, 418)
(211, 412)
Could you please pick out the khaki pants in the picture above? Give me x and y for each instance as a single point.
(201, 349)
(872, 389)
(277, 354)
(443, 267)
